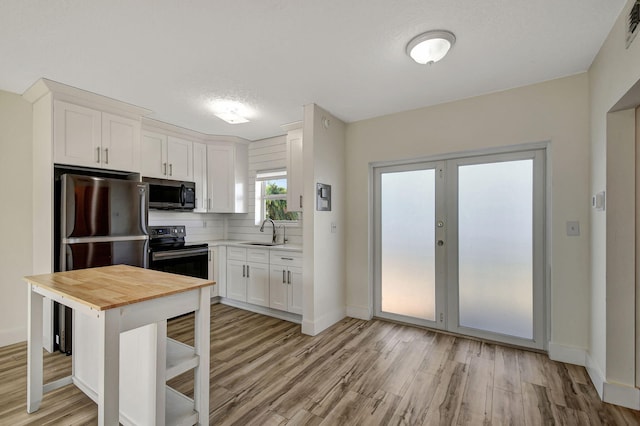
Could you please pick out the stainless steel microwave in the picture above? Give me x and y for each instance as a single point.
(165, 194)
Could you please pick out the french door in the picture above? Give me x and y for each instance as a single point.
(459, 245)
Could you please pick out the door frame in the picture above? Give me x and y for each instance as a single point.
(545, 146)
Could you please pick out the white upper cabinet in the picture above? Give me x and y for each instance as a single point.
(88, 137)
(200, 176)
(153, 162)
(166, 157)
(227, 168)
(180, 158)
(294, 167)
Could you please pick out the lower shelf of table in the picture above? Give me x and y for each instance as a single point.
(180, 410)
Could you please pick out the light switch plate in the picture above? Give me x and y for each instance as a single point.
(573, 228)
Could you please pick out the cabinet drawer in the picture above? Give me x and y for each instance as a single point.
(236, 253)
(285, 258)
(258, 255)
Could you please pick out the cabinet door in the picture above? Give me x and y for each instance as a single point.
(180, 158)
(153, 155)
(76, 135)
(120, 143)
(241, 174)
(278, 288)
(294, 280)
(220, 179)
(200, 176)
(236, 280)
(213, 271)
(294, 170)
(258, 283)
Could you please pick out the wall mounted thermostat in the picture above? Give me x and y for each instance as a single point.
(598, 201)
(323, 198)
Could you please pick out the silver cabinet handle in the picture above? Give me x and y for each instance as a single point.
(288, 277)
(106, 156)
(170, 169)
(284, 278)
(164, 169)
(98, 154)
(247, 271)
(244, 274)
(209, 255)
(301, 201)
(286, 258)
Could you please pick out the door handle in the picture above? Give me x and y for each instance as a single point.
(98, 154)
(244, 273)
(288, 277)
(247, 271)
(106, 156)
(170, 169)
(301, 201)
(284, 278)
(164, 169)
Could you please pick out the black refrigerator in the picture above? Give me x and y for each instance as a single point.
(103, 221)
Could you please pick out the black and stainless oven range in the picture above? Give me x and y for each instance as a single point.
(168, 252)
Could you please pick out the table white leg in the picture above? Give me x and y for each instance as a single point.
(109, 368)
(161, 371)
(34, 351)
(202, 348)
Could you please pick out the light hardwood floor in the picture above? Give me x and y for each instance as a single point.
(264, 372)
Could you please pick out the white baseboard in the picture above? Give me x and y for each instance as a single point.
(613, 393)
(287, 316)
(317, 326)
(619, 394)
(13, 335)
(359, 312)
(568, 354)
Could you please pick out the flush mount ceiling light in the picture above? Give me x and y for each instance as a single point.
(430, 47)
(233, 112)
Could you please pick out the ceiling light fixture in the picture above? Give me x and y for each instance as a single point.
(232, 112)
(430, 47)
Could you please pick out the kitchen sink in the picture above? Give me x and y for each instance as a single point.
(255, 243)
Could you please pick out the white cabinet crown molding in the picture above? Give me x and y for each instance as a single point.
(292, 126)
(82, 97)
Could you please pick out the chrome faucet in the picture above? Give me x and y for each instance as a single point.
(273, 238)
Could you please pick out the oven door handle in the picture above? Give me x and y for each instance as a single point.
(177, 254)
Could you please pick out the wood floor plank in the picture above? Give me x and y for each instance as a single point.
(304, 418)
(475, 408)
(264, 371)
(413, 408)
(538, 409)
(445, 404)
(507, 372)
(507, 408)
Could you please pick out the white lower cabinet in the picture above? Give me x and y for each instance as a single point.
(285, 281)
(263, 277)
(248, 275)
(213, 271)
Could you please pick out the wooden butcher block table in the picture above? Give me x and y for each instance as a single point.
(122, 357)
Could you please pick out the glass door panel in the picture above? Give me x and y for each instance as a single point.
(495, 247)
(408, 269)
(407, 204)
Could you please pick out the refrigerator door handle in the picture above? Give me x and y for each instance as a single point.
(81, 240)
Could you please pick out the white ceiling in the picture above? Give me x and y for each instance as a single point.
(277, 55)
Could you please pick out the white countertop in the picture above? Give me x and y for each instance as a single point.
(240, 243)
